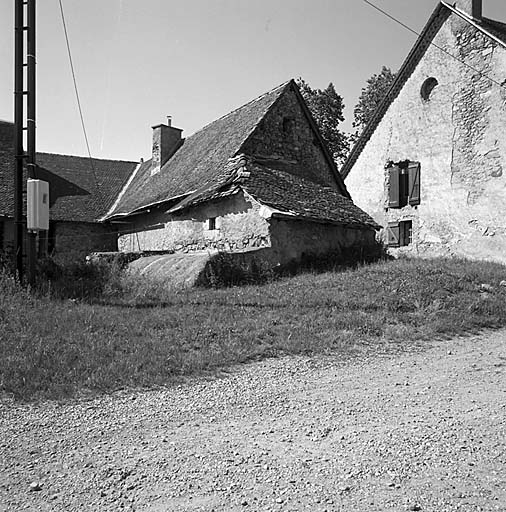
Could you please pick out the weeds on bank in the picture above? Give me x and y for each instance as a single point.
(140, 333)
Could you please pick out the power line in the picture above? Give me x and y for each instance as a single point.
(77, 94)
(407, 27)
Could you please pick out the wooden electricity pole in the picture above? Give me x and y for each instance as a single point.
(24, 20)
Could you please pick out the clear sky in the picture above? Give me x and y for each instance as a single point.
(138, 61)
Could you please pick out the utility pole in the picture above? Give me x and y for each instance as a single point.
(25, 22)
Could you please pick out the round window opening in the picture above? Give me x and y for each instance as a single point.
(427, 88)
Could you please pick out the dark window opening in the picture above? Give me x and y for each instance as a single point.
(288, 124)
(427, 88)
(400, 234)
(2, 235)
(404, 184)
(211, 224)
(403, 187)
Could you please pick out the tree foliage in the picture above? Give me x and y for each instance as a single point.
(371, 96)
(327, 106)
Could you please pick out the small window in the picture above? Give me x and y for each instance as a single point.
(427, 88)
(288, 124)
(211, 224)
(400, 234)
(1, 235)
(404, 184)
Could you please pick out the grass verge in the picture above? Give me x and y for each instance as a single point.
(58, 348)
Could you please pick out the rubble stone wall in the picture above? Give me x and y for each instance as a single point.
(76, 240)
(292, 240)
(238, 227)
(72, 241)
(458, 136)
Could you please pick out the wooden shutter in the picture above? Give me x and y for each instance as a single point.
(414, 183)
(393, 234)
(393, 190)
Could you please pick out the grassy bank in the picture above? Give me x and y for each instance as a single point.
(56, 348)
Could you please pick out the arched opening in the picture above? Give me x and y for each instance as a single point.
(427, 88)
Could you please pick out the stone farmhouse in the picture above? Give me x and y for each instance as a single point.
(429, 166)
(258, 179)
(80, 193)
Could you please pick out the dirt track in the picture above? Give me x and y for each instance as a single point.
(413, 431)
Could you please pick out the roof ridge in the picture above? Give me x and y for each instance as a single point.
(258, 98)
(87, 157)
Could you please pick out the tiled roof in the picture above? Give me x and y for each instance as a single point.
(202, 159)
(80, 190)
(438, 17)
(304, 199)
(496, 28)
(289, 195)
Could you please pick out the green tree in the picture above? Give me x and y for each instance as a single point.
(371, 96)
(327, 106)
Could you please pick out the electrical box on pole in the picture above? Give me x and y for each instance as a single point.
(37, 205)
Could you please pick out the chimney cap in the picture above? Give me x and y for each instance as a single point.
(161, 125)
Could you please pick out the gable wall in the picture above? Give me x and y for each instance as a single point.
(300, 147)
(458, 136)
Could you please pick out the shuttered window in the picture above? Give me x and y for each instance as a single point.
(393, 234)
(400, 234)
(414, 183)
(404, 185)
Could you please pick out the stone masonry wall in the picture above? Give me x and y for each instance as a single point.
(72, 240)
(458, 136)
(75, 240)
(238, 227)
(293, 239)
(285, 136)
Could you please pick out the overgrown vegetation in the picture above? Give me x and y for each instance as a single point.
(144, 334)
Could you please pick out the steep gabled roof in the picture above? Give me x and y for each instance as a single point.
(80, 190)
(202, 162)
(440, 14)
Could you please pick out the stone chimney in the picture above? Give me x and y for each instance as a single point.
(472, 7)
(166, 141)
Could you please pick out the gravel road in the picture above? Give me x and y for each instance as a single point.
(424, 430)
